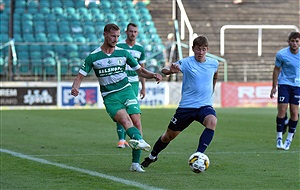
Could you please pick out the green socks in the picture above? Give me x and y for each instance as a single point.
(121, 132)
(134, 133)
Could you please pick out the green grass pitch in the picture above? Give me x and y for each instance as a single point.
(76, 149)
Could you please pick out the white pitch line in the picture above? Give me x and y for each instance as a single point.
(92, 173)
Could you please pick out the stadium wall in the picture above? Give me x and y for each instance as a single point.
(29, 95)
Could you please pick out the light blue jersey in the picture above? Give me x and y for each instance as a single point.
(197, 82)
(290, 67)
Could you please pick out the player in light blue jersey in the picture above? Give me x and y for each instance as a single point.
(109, 63)
(199, 78)
(138, 52)
(286, 75)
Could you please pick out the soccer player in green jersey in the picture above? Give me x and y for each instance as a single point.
(108, 63)
(138, 52)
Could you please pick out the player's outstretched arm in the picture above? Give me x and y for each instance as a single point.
(173, 68)
(149, 75)
(76, 84)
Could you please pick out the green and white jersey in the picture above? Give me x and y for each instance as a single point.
(109, 69)
(138, 52)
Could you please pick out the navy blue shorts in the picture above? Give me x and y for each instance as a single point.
(288, 94)
(183, 117)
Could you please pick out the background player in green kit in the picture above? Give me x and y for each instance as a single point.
(108, 63)
(138, 52)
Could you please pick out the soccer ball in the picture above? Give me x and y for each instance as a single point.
(198, 162)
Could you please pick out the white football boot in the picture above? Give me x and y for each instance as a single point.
(287, 144)
(279, 144)
(136, 167)
(139, 144)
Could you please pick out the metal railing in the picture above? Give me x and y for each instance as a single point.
(186, 22)
(259, 35)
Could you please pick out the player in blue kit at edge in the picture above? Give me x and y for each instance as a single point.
(199, 78)
(286, 75)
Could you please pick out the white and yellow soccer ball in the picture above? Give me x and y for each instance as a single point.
(198, 162)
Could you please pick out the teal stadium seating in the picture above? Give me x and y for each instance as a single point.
(67, 30)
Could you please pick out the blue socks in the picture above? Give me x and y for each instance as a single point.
(205, 139)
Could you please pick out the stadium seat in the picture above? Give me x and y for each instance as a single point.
(18, 38)
(28, 37)
(46, 47)
(66, 37)
(86, 17)
(17, 17)
(110, 18)
(88, 23)
(27, 26)
(128, 5)
(48, 53)
(22, 54)
(32, 10)
(2, 66)
(89, 30)
(64, 29)
(140, 5)
(116, 4)
(105, 4)
(21, 48)
(79, 4)
(19, 10)
(145, 17)
(93, 5)
(39, 27)
(72, 47)
(74, 16)
(53, 37)
(69, 10)
(68, 3)
(92, 38)
(75, 64)
(56, 3)
(72, 54)
(50, 66)
(57, 10)
(35, 55)
(51, 17)
(94, 11)
(60, 50)
(39, 17)
(64, 65)
(33, 4)
(41, 37)
(4, 29)
(76, 27)
(44, 4)
(79, 39)
(27, 16)
(23, 67)
(37, 67)
(20, 4)
(33, 48)
(82, 10)
(45, 10)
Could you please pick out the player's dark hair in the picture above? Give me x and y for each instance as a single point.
(201, 41)
(111, 26)
(131, 24)
(294, 35)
